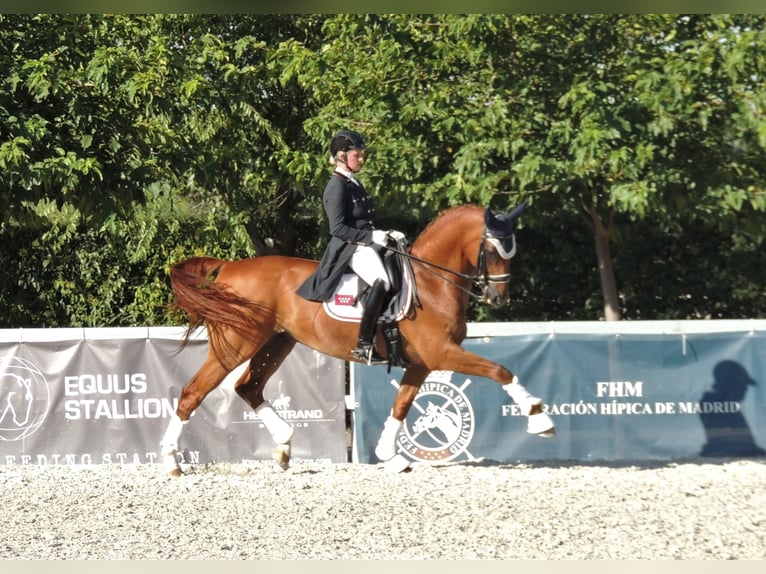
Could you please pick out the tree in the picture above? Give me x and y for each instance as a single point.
(169, 135)
(107, 119)
(97, 108)
(596, 115)
(643, 116)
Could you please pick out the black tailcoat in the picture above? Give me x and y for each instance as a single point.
(351, 215)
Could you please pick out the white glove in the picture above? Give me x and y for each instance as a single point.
(396, 235)
(380, 237)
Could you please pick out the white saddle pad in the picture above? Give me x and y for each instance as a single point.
(343, 308)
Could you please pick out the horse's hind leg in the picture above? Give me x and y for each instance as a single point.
(250, 387)
(208, 377)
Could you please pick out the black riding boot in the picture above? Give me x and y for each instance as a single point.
(365, 350)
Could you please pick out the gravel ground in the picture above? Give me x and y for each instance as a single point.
(695, 509)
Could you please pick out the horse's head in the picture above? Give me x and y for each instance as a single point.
(16, 400)
(498, 246)
(426, 420)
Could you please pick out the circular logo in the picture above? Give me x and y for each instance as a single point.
(24, 398)
(440, 424)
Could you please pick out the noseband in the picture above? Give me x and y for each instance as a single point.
(482, 276)
(498, 242)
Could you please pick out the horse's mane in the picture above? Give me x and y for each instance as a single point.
(445, 220)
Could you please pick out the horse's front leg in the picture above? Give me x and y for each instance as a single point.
(538, 421)
(169, 446)
(408, 388)
(459, 360)
(208, 377)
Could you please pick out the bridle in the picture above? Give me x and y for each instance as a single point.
(481, 278)
(498, 242)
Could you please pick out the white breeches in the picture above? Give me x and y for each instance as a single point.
(368, 265)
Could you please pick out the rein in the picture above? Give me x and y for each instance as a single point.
(481, 269)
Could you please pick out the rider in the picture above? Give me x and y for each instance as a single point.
(355, 240)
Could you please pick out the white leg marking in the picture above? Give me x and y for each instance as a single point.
(386, 448)
(539, 423)
(169, 444)
(281, 431)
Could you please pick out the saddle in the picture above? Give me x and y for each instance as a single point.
(349, 298)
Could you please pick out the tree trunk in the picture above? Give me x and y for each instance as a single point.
(605, 269)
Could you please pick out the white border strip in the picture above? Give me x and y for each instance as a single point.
(684, 327)
(475, 330)
(100, 333)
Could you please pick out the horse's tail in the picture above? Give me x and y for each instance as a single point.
(211, 303)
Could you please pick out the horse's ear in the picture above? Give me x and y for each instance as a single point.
(504, 222)
(489, 218)
(517, 211)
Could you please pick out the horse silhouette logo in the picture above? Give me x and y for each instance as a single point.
(437, 420)
(283, 401)
(441, 423)
(24, 398)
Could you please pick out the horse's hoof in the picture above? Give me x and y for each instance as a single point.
(386, 447)
(384, 452)
(285, 435)
(396, 464)
(540, 424)
(281, 454)
(170, 465)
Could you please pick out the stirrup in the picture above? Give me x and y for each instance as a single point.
(366, 353)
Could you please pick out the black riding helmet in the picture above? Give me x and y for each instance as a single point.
(345, 140)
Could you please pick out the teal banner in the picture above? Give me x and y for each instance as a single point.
(612, 396)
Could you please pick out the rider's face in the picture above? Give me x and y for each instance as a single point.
(355, 159)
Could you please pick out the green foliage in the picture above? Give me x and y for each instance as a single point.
(74, 273)
(128, 142)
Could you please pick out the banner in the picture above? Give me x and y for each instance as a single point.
(104, 396)
(653, 390)
(613, 396)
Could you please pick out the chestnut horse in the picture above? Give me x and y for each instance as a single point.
(252, 312)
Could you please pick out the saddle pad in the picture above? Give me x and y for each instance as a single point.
(342, 307)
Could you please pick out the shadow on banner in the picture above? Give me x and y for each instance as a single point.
(726, 429)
